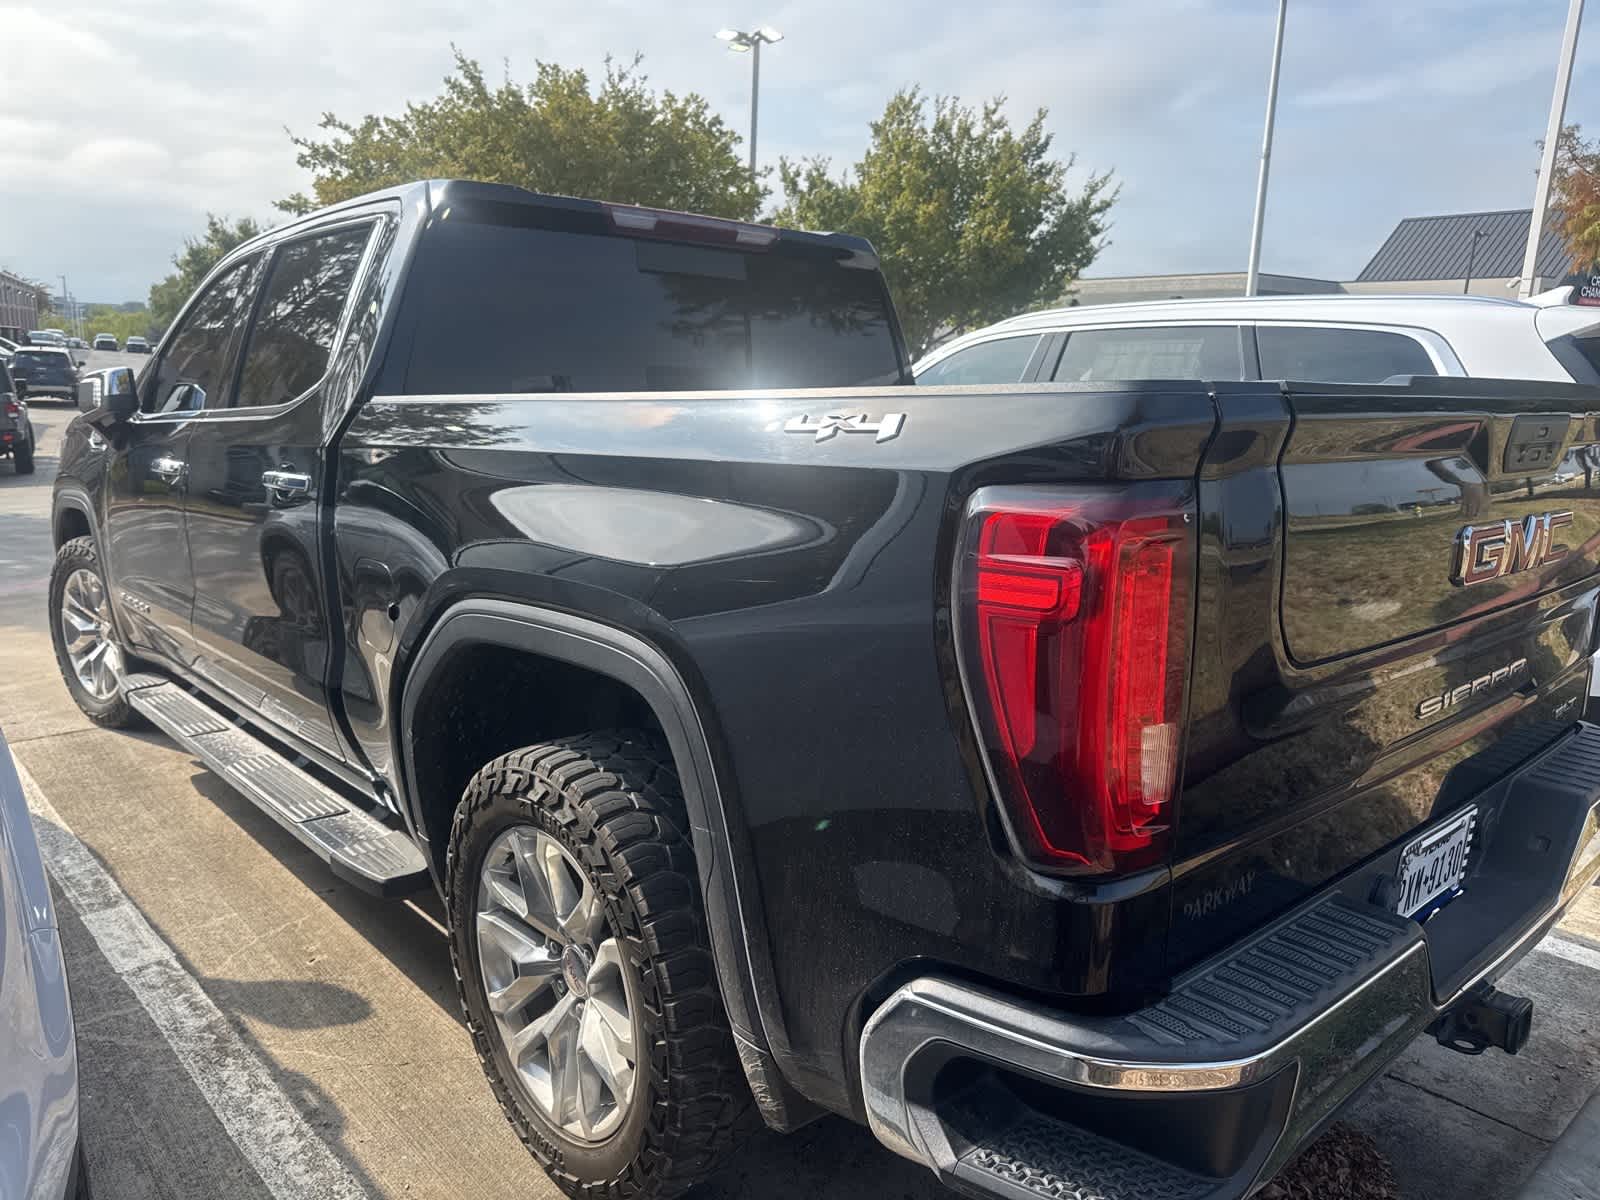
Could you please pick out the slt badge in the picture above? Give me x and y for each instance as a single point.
(1485, 552)
(833, 423)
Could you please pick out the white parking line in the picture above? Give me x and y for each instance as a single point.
(1571, 951)
(292, 1161)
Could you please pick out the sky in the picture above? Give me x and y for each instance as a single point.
(123, 122)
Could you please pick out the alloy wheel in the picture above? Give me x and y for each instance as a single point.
(87, 634)
(558, 984)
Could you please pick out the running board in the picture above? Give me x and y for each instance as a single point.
(359, 848)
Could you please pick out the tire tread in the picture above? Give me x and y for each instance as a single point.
(616, 795)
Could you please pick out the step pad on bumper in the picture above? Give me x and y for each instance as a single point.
(358, 847)
(1277, 978)
(1040, 1157)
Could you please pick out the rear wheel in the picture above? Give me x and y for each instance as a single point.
(22, 455)
(85, 639)
(584, 967)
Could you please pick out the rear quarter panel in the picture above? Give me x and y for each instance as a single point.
(800, 586)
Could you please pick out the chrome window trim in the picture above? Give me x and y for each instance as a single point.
(374, 220)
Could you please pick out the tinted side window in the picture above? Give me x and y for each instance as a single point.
(1339, 355)
(194, 369)
(1000, 361)
(1171, 352)
(299, 315)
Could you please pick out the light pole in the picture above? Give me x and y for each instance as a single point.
(1472, 258)
(1252, 275)
(750, 43)
(1552, 138)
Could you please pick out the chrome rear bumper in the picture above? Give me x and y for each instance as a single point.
(1285, 1026)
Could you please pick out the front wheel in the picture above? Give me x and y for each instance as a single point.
(584, 967)
(84, 636)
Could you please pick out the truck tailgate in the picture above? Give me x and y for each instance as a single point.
(1396, 608)
(1376, 502)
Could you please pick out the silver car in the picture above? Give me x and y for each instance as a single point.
(40, 1157)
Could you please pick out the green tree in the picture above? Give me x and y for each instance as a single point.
(620, 142)
(198, 256)
(1575, 195)
(974, 221)
(119, 322)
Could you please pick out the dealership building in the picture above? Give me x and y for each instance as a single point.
(1480, 253)
(21, 302)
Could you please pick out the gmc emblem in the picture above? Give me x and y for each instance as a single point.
(1485, 552)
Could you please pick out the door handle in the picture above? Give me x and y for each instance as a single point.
(170, 470)
(286, 485)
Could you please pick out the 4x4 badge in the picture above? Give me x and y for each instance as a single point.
(833, 423)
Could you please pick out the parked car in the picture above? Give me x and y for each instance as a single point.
(105, 341)
(136, 345)
(16, 429)
(47, 371)
(1092, 783)
(41, 1157)
(77, 343)
(1314, 339)
(7, 349)
(46, 337)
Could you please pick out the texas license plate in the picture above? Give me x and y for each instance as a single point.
(1433, 864)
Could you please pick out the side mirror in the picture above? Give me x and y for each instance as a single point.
(19, 388)
(109, 397)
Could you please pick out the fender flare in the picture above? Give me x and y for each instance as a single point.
(77, 499)
(738, 945)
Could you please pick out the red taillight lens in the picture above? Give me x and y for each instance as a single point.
(12, 409)
(1075, 616)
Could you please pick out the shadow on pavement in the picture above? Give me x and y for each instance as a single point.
(289, 1003)
(407, 933)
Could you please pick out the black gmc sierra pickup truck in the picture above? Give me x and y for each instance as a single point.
(1087, 786)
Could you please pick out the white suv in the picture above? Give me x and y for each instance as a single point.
(1311, 339)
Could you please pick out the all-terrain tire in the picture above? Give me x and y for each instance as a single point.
(114, 712)
(613, 800)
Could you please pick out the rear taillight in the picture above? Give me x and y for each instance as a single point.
(1075, 613)
(13, 409)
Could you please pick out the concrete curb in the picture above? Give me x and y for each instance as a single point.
(1571, 1168)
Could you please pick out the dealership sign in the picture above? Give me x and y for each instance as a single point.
(1585, 286)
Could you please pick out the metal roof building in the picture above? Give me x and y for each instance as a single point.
(1427, 249)
(1424, 255)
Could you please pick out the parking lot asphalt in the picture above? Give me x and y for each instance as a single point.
(250, 1026)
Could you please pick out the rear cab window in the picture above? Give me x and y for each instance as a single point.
(518, 298)
(1330, 355)
(1209, 352)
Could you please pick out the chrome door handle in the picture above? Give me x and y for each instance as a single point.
(286, 485)
(168, 469)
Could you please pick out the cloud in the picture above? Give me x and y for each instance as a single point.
(125, 123)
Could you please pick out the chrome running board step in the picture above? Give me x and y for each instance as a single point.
(359, 848)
